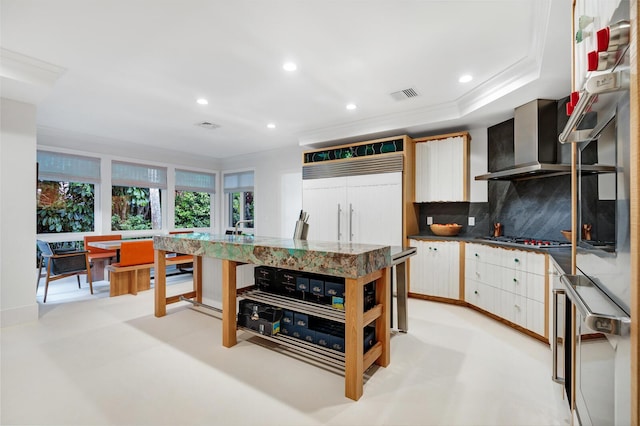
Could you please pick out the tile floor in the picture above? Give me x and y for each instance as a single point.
(96, 360)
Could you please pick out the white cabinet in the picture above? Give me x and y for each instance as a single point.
(435, 270)
(507, 283)
(359, 209)
(442, 168)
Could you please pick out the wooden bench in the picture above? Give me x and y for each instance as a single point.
(133, 273)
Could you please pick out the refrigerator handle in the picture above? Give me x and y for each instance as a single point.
(350, 222)
(339, 233)
(554, 337)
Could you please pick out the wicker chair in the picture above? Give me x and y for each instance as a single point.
(61, 264)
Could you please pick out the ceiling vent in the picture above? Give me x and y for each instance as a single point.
(401, 95)
(208, 125)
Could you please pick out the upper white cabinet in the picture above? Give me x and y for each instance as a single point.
(360, 209)
(442, 168)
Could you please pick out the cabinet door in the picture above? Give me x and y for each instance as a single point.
(441, 167)
(374, 209)
(435, 270)
(326, 202)
(450, 256)
(417, 267)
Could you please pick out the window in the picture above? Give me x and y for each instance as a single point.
(66, 192)
(135, 196)
(193, 201)
(238, 190)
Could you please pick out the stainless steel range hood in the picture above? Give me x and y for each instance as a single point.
(535, 145)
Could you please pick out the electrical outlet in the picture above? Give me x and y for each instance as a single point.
(429, 220)
(472, 221)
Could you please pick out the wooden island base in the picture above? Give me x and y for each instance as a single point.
(356, 361)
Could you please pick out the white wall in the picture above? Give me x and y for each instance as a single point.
(479, 190)
(274, 170)
(17, 213)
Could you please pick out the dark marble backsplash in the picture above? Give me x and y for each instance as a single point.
(536, 208)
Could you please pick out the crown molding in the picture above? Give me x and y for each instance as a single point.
(520, 74)
(26, 79)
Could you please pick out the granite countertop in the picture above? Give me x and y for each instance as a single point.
(347, 260)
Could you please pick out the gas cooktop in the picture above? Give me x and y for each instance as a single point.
(529, 242)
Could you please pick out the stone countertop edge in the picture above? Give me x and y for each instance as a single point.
(561, 256)
(328, 258)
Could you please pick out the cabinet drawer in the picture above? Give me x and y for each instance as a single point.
(514, 259)
(535, 316)
(535, 263)
(514, 281)
(513, 308)
(482, 295)
(535, 287)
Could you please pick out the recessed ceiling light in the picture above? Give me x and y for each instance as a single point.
(465, 78)
(351, 106)
(202, 101)
(271, 126)
(289, 66)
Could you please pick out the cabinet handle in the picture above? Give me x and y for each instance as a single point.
(517, 307)
(339, 233)
(350, 222)
(515, 280)
(476, 255)
(435, 249)
(475, 292)
(516, 260)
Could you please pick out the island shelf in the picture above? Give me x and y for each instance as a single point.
(358, 264)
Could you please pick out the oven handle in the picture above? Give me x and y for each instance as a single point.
(600, 322)
(554, 337)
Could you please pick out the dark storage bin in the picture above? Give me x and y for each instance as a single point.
(258, 317)
(300, 320)
(302, 284)
(265, 279)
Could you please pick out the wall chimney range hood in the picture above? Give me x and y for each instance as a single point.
(535, 145)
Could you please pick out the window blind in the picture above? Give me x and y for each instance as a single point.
(195, 181)
(129, 174)
(238, 182)
(61, 167)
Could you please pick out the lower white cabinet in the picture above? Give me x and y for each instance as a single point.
(507, 283)
(435, 269)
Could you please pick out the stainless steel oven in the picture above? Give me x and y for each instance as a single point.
(602, 354)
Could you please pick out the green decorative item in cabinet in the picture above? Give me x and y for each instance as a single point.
(359, 150)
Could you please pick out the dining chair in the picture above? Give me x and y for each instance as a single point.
(61, 264)
(98, 257)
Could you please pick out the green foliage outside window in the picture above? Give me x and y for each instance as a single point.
(65, 207)
(193, 209)
(133, 208)
(241, 208)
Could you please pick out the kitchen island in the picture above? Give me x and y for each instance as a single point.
(358, 264)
